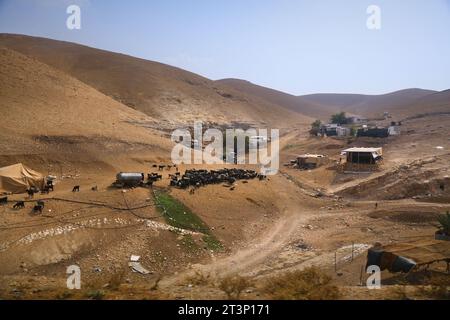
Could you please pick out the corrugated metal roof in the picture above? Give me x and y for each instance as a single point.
(356, 149)
(307, 155)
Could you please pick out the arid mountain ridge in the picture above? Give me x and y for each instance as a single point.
(172, 95)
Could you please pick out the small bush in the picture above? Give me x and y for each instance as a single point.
(116, 279)
(212, 243)
(64, 295)
(233, 286)
(307, 284)
(444, 223)
(95, 294)
(198, 279)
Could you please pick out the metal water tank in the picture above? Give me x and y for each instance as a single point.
(130, 178)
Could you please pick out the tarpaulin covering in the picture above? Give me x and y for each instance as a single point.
(403, 257)
(17, 178)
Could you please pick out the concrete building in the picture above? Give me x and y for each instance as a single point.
(356, 119)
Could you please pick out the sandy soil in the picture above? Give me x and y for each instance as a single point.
(61, 125)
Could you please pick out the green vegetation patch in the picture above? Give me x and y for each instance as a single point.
(178, 215)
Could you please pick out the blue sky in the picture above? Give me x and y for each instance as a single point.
(298, 46)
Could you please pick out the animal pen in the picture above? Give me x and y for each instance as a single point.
(360, 160)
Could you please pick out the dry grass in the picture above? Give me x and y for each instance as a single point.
(233, 286)
(117, 278)
(198, 279)
(307, 284)
(438, 287)
(155, 284)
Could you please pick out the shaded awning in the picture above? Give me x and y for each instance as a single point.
(403, 257)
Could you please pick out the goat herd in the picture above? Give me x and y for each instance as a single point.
(38, 207)
(197, 178)
(193, 178)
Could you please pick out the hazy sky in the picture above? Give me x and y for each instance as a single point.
(295, 46)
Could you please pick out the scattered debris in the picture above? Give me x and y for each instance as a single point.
(135, 258)
(137, 267)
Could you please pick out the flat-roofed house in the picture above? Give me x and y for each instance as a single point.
(356, 119)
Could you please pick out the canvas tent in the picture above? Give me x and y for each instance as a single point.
(17, 178)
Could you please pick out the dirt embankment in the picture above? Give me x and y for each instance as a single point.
(420, 179)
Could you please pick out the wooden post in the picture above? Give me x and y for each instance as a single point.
(335, 261)
(353, 247)
(361, 276)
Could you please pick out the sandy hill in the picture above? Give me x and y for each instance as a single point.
(370, 105)
(169, 94)
(436, 103)
(298, 104)
(47, 112)
(405, 103)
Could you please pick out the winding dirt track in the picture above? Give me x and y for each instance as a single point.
(248, 260)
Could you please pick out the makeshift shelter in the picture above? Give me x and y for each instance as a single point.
(311, 161)
(373, 132)
(394, 130)
(343, 131)
(362, 159)
(331, 129)
(405, 257)
(17, 178)
(363, 155)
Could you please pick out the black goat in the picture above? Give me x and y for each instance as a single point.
(30, 193)
(46, 190)
(3, 200)
(76, 189)
(19, 205)
(38, 208)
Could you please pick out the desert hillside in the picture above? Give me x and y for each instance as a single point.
(45, 111)
(372, 105)
(402, 103)
(291, 102)
(436, 103)
(82, 115)
(170, 94)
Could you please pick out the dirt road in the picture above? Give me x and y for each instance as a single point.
(248, 260)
